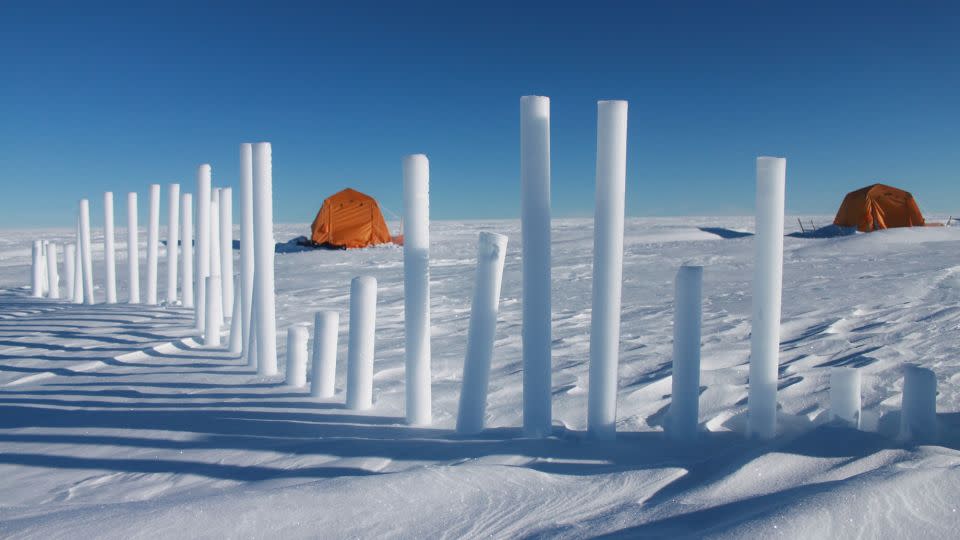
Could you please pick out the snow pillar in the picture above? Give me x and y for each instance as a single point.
(203, 240)
(186, 258)
(607, 268)
(44, 284)
(215, 233)
(264, 252)
(69, 267)
(109, 252)
(918, 412)
(133, 248)
(767, 283)
(153, 244)
(416, 287)
(36, 283)
(173, 241)
(53, 277)
(685, 397)
(325, 327)
(491, 254)
(226, 247)
(360, 350)
(87, 252)
(296, 356)
(211, 332)
(535, 235)
(235, 345)
(246, 241)
(78, 269)
(845, 396)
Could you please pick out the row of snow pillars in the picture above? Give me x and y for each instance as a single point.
(153, 243)
(918, 409)
(535, 238)
(767, 288)
(246, 251)
(416, 287)
(324, 359)
(173, 239)
(685, 396)
(109, 253)
(360, 348)
(607, 268)
(491, 255)
(133, 248)
(186, 259)
(296, 375)
(263, 287)
(203, 244)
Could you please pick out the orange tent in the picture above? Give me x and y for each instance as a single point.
(878, 207)
(349, 219)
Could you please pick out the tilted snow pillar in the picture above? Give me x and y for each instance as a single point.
(535, 235)
(153, 244)
(186, 258)
(416, 287)
(69, 268)
(173, 241)
(133, 248)
(109, 252)
(87, 252)
(226, 247)
(845, 396)
(918, 410)
(360, 349)
(246, 243)
(326, 325)
(296, 375)
(53, 276)
(203, 241)
(36, 283)
(264, 252)
(491, 254)
(211, 328)
(767, 285)
(685, 396)
(607, 268)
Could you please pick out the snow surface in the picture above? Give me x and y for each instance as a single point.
(115, 423)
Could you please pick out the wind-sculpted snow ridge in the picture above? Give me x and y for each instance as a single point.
(115, 423)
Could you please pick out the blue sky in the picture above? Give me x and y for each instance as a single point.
(114, 96)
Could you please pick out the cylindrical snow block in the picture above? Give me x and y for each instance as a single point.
(845, 396)
(44, 284)
(607, 268)
(173, 241)
(535, 236)
(78, 268)
(263, 253)
(360, 348)
(53, 276)
(326, 325)
(215, 233)
(491, 254)
(416, 287)
(296, 356)
(767, 284)
(109, 251)
(153, 244)
(226, 247)
(250, 342)
(36, 283)
(87, 252)
(685, 397)
(918, 410)
(246, 241)
(69, 267)
(235, 344)
(186, 260)
(133, 248)
(211, 332)
(203, 240)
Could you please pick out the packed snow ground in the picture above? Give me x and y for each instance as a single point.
(114, 423)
